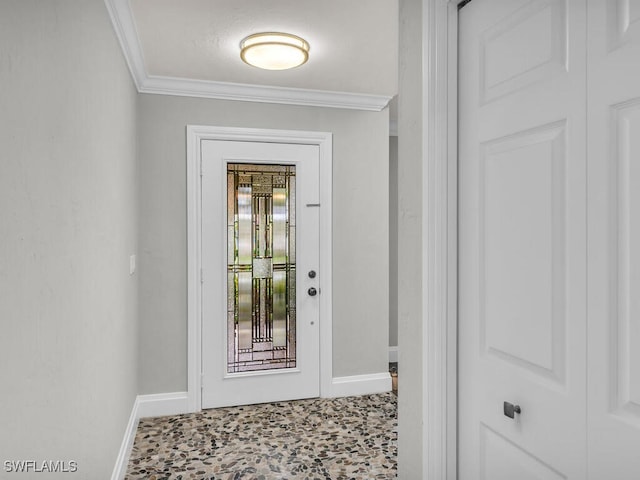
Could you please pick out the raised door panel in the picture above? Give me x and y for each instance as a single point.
(502, 459)
(522, 250)
(623, 22)
(625, 319)
(533, 38)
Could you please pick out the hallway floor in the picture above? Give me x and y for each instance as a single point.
(325, 439)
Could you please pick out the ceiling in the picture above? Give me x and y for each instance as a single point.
(192, 46)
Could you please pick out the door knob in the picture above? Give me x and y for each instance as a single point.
(510, 409)
(312, 292)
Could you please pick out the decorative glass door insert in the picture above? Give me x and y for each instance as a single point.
(261, 267)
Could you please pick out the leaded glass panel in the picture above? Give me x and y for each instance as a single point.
(261, 267)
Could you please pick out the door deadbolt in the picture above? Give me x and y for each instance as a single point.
(312, 274)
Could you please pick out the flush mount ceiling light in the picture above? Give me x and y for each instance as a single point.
(274, 51)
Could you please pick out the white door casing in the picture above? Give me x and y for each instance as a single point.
(221, 388)
(196, 136)
(522, 232)
(614, 239)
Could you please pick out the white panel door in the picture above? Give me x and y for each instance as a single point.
(260, 243)
(614, 239)
(522, 239)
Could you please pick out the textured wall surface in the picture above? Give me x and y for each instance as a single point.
(360, 229)
(68, 224)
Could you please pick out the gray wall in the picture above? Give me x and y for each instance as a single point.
(360, 225)
(67, 227)
(393, 241)
(410, 130)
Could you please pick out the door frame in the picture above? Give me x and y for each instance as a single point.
(439, 319)
(195, 135)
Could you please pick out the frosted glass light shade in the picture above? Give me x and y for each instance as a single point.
(274, 51)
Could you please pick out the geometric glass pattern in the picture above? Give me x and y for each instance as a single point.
(261, 267)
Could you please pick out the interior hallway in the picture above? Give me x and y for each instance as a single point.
(327, 439)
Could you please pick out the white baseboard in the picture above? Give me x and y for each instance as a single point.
(360, 385)
(156, 405)
(122, 461)
(177, 403)
(393, 354)
(161, 404)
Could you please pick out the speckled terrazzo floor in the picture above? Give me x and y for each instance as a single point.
(325, 439)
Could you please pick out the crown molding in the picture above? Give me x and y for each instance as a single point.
(261, 93)
(125, 28)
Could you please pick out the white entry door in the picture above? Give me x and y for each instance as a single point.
(522, 240)
(260, 259)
